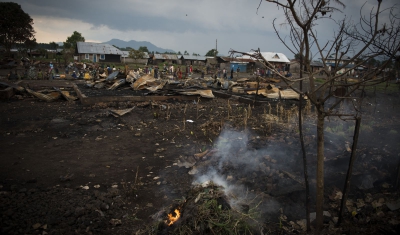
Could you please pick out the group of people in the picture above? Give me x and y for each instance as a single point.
(51, 71)
(176, 73)
(154, 71)
(94, 71)
(262, 72)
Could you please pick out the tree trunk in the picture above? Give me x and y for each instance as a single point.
(320, 171)
(305, 168)
(303, 149)
(350, 169)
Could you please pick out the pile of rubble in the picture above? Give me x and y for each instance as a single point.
(47, 95)
(190, 86)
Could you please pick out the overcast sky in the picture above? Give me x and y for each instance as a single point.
(174, 24)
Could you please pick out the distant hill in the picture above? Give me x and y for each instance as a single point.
(135, 45)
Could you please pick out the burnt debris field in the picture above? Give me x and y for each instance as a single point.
(188, 164)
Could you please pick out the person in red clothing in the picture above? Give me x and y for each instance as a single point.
(179, 73)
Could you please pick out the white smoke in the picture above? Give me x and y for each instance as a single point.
(234, 153)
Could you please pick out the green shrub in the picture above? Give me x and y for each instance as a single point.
(393, 132)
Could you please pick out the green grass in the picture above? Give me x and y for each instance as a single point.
(382, 87)
(319, 80)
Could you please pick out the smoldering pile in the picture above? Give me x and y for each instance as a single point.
(208, 209)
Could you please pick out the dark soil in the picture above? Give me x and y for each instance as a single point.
(131, 164)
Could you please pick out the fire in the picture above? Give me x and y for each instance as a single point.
(172, 219)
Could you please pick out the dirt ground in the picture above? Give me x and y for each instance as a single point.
(133, 166)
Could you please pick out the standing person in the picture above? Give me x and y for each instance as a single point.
(96, 74)
(219, 72)
(109, 70)
(238, 71)
(156, 72)
(231, 73)
(152, 71)
(224, 73)
(40, 75)
(191, 69)
(165, 68)
(179, 73)
(84, 66)
(51, 70)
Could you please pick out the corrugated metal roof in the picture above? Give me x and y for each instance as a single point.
(340, 65)
(316, 64)
(272, 57)
(125, 54)
(165, 57)
(237, 59)
(97, 48)
(193, 57)
(332, 57)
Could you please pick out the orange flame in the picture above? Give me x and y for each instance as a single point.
(172, 219)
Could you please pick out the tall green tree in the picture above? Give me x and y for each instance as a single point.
(53, 45)
(30, 44)
(73, 39)
(143, 49)
(15, 25)
(212, 52)
(136, 54)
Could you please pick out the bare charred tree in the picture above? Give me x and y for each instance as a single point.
(349, 47)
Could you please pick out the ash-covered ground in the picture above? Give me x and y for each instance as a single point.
(72, 169)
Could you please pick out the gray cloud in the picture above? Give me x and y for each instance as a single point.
(177, 24)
